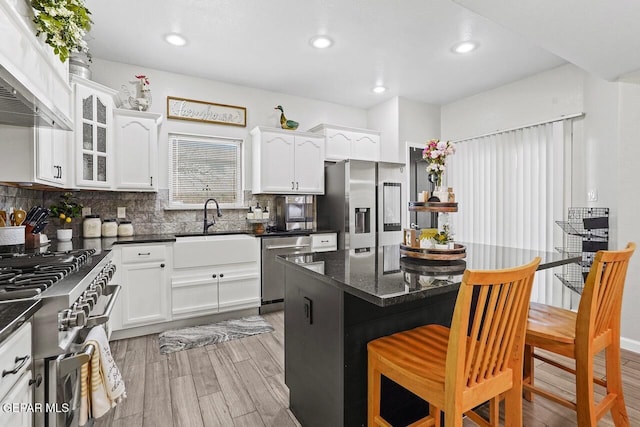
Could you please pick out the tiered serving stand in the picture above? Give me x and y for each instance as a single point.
(459, 251)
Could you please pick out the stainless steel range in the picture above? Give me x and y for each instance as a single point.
(77, 294)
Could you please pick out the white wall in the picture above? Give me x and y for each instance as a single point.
(259, 104)
(384, 118)
(604, 155)
(419, 122)
(403, 120)
(538, 98)
(627, 174)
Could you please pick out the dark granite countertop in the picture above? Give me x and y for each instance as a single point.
(380, 276)
(106, 243)
(15, 313)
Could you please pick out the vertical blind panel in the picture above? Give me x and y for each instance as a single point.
(509, 187)
(205, 167)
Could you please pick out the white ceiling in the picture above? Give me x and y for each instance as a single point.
(404, 45)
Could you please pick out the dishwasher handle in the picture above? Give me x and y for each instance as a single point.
(271, 247)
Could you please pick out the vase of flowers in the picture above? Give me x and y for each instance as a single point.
(65, 211)
(435, 154)
(64, 23)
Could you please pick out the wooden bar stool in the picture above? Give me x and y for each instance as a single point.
(582, 335)
(476, 360)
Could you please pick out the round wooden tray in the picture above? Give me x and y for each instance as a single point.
(433, 206)
(459, 252)
(425, 267)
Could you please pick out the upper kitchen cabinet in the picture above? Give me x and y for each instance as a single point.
(93, 133)
(287, 162)
(52, 155)
(34, 156)
(136, 148)
(343, 143)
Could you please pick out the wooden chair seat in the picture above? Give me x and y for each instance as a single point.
(418, 354)
(548, 324)
(475, 361)
(582, 335)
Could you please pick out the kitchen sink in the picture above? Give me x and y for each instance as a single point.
(202, 250)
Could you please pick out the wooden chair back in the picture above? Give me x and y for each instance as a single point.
(488, 326)
(601, 301)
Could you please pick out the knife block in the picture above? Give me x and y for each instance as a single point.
(31, 240)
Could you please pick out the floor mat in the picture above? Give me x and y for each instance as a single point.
(198, 336)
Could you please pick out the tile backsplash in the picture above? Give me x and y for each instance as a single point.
(18, 198)
(147, 211)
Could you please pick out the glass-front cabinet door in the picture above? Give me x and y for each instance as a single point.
(94, 116)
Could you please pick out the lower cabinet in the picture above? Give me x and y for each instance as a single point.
(15, 387)
(227, 278)
(143, 273)
(190, 278)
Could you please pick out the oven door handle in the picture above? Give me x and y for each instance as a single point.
(73, 363)
(287, 247)
(112, 290)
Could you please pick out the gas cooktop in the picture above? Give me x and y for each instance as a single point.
(28, 275)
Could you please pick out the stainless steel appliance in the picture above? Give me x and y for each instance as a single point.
(77, 294)
(364, 201)
(273, 272)
(294, 213)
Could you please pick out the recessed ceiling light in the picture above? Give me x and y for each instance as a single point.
(379, 89)
(464, 47)
(175, 39)
(321, 42)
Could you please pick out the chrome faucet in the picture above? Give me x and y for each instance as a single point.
(208, 224)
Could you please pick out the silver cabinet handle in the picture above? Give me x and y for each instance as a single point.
(114, 291)
(144, 253)
(288, 246)
(20, 362)
(292, 185)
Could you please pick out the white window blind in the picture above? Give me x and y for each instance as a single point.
(202, 167)
(509, 187)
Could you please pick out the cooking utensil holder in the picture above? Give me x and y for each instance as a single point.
(12, 235)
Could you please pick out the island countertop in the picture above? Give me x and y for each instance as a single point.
(380, 276)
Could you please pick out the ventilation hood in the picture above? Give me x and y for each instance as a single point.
(19, 107)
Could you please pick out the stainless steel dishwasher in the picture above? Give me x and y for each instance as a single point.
(273, 272)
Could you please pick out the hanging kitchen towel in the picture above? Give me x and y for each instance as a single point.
(107, 387)
(84, 394)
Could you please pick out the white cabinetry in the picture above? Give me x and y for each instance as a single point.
(34, 155)
(15, 387)
(136, 148)
(343, 142)
(93, 127)
(51, 156)
(214, 274)
(143, 275)
(287, 162)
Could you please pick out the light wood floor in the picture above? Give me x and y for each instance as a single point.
(241, 384)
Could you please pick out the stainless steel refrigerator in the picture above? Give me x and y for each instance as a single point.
(364, 201)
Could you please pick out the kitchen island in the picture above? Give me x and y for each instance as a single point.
(336, 302)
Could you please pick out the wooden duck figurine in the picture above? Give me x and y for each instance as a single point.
(284, 123)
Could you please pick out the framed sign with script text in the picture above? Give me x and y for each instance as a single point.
(207, 112)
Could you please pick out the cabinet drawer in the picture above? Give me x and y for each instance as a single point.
(324, 242)
(12, 353)
(137, 254)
